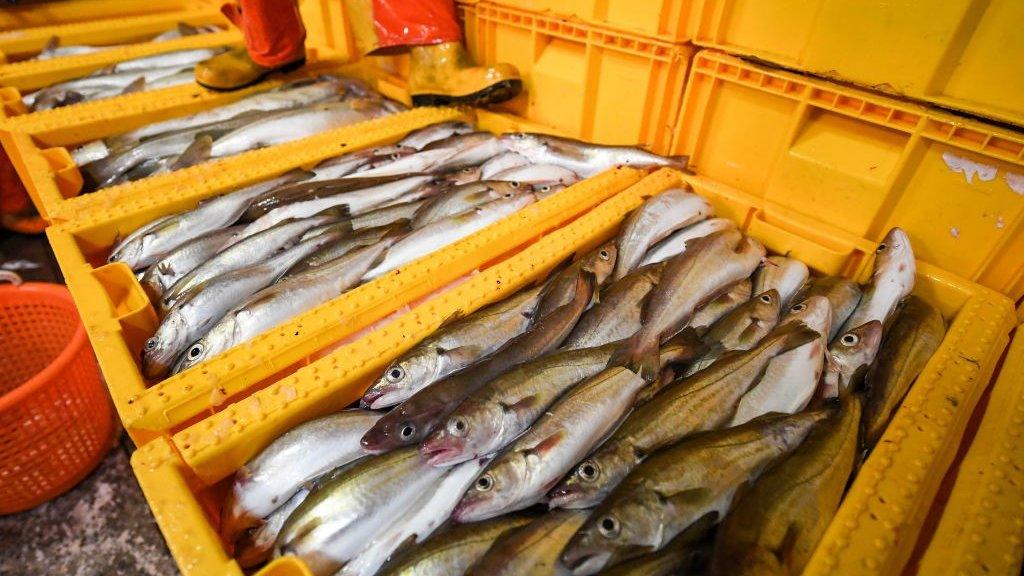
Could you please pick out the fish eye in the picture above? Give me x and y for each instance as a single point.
(881, 248)
(195, 351)
(850, 339)
(457, 427)
(484, 483)
(468, 170)
(604, 255)
(545, 188)
(766, 298)
(395, 373)
(407, 431)
(515, 183)
(151, 344)
(589, 471)
(799, 307)
(609, 527)
(395, 156)
(507, 195)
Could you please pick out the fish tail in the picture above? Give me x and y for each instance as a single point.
(197, 152)
(640, 355)
(680, 162)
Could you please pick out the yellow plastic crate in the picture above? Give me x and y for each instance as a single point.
(583, 80)
(664, 19)
(960, 54)
(118, 316)
(184, 477)
(980, 528)
(37, 144)
(33, 13)
(28, 42)
(815, 151)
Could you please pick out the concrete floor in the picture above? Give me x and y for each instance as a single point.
(102, 527)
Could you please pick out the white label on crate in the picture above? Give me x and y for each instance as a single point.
(969, 168)
(1015, 182)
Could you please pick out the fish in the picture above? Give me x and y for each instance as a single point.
(195, 312)
(784, 274)
(913, 338)
(706, 316)
(355, 202)
(310, 189)
(243, 253)
(89, 152)
(430, 510)
(561, 286)
(584, 158)
(498, 413)
(335, 250)
(295, 458)
(698, 403)
(163, 60)
(340, 518)
(679, 486)
(538, 174)
(656, 219)
(454, 550)
(849, 358)
(843, 296)
(675, 243)
(425, 160)
(286, 126)
(741, 329)
(461, 198)
(704, 272)
(545, 190)
(396, 213)
(775, 526)
(617, 315)
(278, 303)
(502, 162)
(891, 281)
(791, 379)
(162, 274)
(256, 544)
(417, 139)
(413, 420)
(532, 549)
(95, 87)
(472, 149)
(685, 554)
(522, 475)
(455, 346)
(147, 244)
(439, 234)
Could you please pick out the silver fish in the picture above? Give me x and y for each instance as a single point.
(533, 549)
(849, 359)
(584, 158)
(335, 250)
(843, 296)
(617, 315)
(256, 544)
(675, 244)
(539, 174)
(453, 550)
(422, 161)
(502, 162)
(182, 260)
(891, 282)
(464, 197)
(417, 139)
(786, 275)
(452, 348)
(706, 316)
(654, 220)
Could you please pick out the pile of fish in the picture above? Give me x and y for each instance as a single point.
(606, 420)
(125, 77)
(53, 48)
(290, 112)
(242, 263)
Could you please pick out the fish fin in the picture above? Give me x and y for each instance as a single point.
(797, 334)
(299, 174)
(71, 97)
(342, 212)
(137, 85)
(463, 355)
(547, 444)
(186, 29)
(689, 498)
(52, 44)
(197, 152)
(450, 319)
(165, 268)
(680, 163)
(520, 405)
(784, 553)
(640, 355)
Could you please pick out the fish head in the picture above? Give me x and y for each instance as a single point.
(405, 425)
(601, 262)
(408, 374)
(852, 352)
(814, 311)
(615, 532)
(591, 481)
(130, 252)
(464, 175)
(522, 143)
(765, 306)
(468, 432)
(894, 260)
(496, 491)
(216, 341)
(507, 188)
(161, 350)
(545, 190)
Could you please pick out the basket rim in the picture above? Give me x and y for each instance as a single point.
(20, 392)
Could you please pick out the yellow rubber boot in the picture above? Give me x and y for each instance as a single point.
(443, 74)
(234, 69)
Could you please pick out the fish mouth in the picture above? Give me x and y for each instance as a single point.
(585, 562)
(374, 442)
(567, 498)
(439, 453)
(469, 511)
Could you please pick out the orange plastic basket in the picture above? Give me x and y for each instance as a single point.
(56, 421)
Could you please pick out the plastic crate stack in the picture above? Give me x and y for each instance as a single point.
(809, 166)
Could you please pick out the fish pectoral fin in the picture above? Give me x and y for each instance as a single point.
(522, 404)
(165, 268)
(449, 320)
(463, 355)
(540, 449)
(186, 29)
(52, 44)
(137, 85)
(689, 499)
(197, 152)
(784, 553)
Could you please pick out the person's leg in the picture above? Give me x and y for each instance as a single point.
(441, 71)
(274, 41)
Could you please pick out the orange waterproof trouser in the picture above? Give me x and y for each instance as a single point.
(274, 34)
